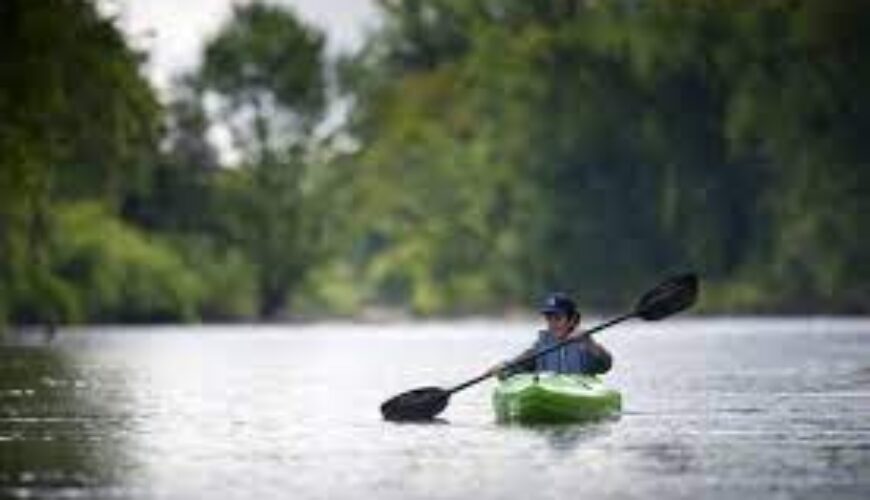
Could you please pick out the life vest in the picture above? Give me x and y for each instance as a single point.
(573, 357)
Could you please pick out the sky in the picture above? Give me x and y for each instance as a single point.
(173, 32)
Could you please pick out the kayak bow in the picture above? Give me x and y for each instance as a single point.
(552, 398)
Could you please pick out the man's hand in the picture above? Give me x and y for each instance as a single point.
(499, 370)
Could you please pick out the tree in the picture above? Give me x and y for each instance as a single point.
(267, 69)
(79, 121)
(614, 141)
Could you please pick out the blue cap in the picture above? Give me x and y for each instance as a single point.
(558, 303)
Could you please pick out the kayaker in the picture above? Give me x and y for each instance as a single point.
(584, 356)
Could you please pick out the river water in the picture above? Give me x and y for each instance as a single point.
(713, 408)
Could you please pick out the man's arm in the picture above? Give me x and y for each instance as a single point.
(503, 371)
(603, 359)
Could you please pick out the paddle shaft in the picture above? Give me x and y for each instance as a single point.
(669, 297)
(537, 354)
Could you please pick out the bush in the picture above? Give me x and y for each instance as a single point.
(228, 285)
(120, 273)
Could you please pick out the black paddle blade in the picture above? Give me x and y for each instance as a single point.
(417, 405)
(670, 297)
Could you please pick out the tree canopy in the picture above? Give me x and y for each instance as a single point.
(490, 151)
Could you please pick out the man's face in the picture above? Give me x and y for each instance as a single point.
(558, 323)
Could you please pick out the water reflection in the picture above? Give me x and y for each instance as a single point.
(568, 438)
(54, 431)
(424, 423)
(674, 458)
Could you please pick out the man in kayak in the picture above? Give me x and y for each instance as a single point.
(585, 356)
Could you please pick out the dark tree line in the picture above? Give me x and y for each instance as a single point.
(491, 150)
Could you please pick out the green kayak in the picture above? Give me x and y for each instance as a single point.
(553, 398)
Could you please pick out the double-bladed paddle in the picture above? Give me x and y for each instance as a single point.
(669, 297)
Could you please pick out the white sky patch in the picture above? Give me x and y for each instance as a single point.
(173, 32)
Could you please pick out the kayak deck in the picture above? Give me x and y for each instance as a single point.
(553, 398)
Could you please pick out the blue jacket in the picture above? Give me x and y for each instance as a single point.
(574, 357)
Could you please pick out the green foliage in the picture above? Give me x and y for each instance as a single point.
(79, 122)
(594, 146)
(494, 150)
(79, 119)
(266, 50)
(270, 216)
(268, 68)
(227, 286)
(37, 295)
(121, 273)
